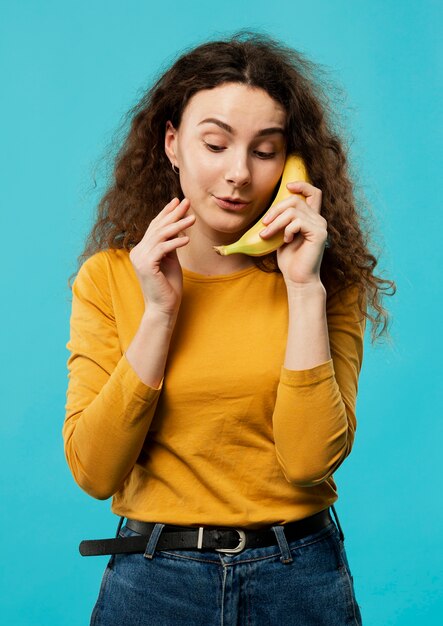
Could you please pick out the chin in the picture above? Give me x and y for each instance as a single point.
(236, 228)
(235, 222)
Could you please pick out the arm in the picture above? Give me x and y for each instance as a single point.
(308, 339)
(314, 418)
(109, 409)
(112, 396)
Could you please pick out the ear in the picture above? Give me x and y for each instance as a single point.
(171, 143)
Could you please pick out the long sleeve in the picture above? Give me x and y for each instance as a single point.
(109, 409)
(208, 446)
(314, 420)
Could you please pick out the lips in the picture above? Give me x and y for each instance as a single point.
(232, 204)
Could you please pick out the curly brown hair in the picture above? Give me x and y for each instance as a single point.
(142, 182)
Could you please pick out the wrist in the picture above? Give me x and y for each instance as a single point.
(159, 319)
(303, 291)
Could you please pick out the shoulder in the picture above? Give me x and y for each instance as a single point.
(105, 259)
(102, 265)
(101, 272)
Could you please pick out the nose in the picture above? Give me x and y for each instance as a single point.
(238, 172)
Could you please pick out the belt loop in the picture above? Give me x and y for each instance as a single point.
(153, 539)
(286, 556)
(342, 537)
(119, 527)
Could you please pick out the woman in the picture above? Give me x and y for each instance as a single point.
(213, 397)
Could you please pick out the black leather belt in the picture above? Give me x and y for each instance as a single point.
(218, 538)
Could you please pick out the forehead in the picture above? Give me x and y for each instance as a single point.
(237, 105)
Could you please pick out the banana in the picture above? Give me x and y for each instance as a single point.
(251, 243)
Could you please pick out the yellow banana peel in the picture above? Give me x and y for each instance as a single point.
(250, 242)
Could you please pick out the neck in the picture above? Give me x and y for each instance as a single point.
(200, 257)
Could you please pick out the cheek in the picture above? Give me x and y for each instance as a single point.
(197, 174)
(267, 190)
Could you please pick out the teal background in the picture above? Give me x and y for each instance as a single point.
(69, 72)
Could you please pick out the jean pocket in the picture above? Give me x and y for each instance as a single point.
(346, 576)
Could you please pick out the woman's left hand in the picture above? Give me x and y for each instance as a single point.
(305, 232)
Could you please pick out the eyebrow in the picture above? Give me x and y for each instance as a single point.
(229, 129)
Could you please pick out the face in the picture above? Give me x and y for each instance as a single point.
(230, 150)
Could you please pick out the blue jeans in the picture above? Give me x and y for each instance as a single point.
(304, 582)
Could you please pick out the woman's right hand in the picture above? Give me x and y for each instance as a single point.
(155, 259)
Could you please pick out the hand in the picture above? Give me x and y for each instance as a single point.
(305, 234)
(155, 258)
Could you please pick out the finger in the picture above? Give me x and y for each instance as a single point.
(177, 213)
(292, 229)
(168, 208)
(170, 214)
(281, 221)
(145, 263)
(314, 232)
(174, 207)
(312, 194)
(293, 202)
(181, 207)
(172, 230)
(173, 204)
(156, 236)
(172, 244)
(151, 244)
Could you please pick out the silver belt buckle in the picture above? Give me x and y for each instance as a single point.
(241, 543)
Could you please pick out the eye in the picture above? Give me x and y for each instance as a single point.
(265, 155)
(213, 148)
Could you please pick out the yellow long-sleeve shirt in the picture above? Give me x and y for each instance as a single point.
(231, 437)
